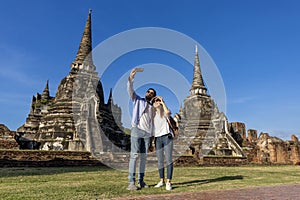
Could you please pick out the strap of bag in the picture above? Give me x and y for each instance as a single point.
(168, 120)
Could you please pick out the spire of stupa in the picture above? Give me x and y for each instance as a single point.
(84, 55)
(110, 99)
(46, 93)
(198, 86)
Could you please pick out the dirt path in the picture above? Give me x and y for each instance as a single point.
(280, 192)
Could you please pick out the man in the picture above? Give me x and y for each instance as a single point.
(140, 133)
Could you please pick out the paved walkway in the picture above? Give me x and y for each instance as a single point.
(281, 192)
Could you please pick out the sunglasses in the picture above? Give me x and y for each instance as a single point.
(150, 92)
(157, 100)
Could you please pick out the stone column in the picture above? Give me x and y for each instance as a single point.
(252, 135)
(272, 152)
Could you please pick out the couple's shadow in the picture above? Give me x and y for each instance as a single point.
(205, 181)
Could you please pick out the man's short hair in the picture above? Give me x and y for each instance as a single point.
(152, 90)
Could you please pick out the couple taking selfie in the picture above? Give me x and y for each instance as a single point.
(149, 121)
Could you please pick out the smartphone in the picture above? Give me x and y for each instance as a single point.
(139, 69)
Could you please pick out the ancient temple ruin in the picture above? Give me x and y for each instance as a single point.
(77, 118)
(202, 125)
(266, 149)
(7, 140)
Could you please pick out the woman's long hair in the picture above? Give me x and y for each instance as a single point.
(162, 112)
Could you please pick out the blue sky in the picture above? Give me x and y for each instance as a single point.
(255, 45)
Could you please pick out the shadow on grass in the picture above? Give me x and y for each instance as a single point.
(205, 181)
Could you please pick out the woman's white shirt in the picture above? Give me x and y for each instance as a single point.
(161, 126)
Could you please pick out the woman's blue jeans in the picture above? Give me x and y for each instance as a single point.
(164, 145)
(140, 141)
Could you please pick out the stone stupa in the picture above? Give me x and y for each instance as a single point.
(203, 128)
(77, 118)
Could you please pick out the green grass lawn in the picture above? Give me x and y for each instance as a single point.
(104, 183)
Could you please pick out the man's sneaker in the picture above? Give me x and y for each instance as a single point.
(168, 186)
(131, 186)
(142, 185)
(159, 184)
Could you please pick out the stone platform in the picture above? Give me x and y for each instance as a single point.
(40, 158)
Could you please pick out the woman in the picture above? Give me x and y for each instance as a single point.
(163, 141)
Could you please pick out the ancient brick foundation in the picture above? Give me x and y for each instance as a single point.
(32, 158)
(223, 161)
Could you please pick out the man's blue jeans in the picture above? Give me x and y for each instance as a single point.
(164, 145)
(140, 141)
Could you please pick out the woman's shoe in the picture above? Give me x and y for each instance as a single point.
(159, 184)
(168, 186)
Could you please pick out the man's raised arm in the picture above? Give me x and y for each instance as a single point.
(130, 90)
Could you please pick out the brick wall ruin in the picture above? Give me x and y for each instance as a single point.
(7, 140)
(266, 149)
